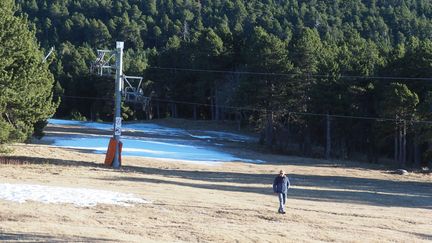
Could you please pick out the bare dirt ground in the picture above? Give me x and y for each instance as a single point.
(230, 202)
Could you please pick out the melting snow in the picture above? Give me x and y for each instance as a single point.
(230, 136)
(77, 196)
(154, 129)
(174, 149)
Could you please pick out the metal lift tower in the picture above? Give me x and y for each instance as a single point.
(104, 66)
(118, 90)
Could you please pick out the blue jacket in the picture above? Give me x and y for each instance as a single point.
(281, 184)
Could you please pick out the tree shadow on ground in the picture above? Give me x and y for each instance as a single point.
(423, 236)
(36, 237)
(23, 160)
(375, 198)
(377, 192)
(308, 187)
(410, 188)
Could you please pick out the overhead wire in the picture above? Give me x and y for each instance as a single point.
(379, 119)
(400, 78)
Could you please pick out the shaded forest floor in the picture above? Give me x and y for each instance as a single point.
(226, 202)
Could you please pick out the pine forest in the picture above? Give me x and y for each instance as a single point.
(349, 79)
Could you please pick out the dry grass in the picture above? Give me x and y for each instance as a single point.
(232, 202)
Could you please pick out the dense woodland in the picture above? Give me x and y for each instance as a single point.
(286, 63)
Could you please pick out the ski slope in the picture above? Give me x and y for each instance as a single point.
(178, 145)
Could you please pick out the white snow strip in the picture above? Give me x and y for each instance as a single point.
(153, 129)
(200, 137)
(78, 196)
(230, 136)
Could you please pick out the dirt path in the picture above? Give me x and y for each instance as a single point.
(231, 202)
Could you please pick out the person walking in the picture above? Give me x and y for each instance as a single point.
(281, 184)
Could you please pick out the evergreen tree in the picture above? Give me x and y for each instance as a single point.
(25, 81)
(266, 53)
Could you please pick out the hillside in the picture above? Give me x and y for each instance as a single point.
(148, 24)
(279, 66)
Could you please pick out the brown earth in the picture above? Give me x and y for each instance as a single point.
(230, 202)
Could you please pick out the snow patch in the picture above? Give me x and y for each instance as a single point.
(174, 149)
(78, 196)
(153, 129)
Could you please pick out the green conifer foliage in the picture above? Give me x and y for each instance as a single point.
(25, 81)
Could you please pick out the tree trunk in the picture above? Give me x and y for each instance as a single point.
(158, 110)
(307, 147)
(328, 137)
(171, 106)
(417, 156)
(371, 149)
(173, 110)
(396, 145)
(212, 108)
(239, 120)
(344, 153)
(269, 130)
(404, 144)
(194, 112)
(217, 111)
(288, 137)
(168, 109)
(400, 146)
(150, 111)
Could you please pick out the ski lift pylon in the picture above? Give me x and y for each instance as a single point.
(103, 66)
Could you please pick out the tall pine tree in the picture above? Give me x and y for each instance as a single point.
(25, 81)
